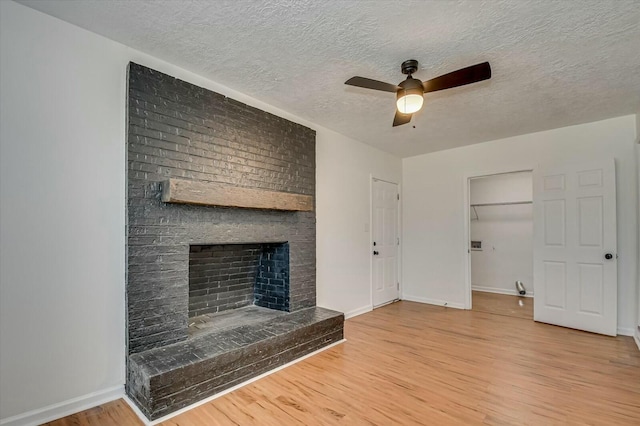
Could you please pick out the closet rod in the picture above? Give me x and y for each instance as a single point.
(510, 203)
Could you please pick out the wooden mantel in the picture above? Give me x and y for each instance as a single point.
(219, 194)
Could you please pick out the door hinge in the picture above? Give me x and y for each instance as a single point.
(398, 196)
(398, 240)
(398, 286)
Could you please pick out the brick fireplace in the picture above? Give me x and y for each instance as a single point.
(220, 244)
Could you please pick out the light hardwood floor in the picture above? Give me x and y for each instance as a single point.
(502, 304)
(416, 364)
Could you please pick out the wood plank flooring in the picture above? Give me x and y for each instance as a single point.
(416, 364)
(502, 304)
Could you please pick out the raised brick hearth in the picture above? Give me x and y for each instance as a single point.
(166, 379)
(215, 295)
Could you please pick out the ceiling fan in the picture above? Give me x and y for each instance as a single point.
(410, 93)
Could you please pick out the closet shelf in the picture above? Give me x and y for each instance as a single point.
(508, 203)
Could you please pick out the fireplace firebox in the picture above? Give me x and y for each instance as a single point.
(229, 276)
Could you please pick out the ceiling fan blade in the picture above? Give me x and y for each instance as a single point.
(468, 75)
(368, 83)
(401, 118)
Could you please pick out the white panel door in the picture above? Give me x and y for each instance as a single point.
(385, 242)
(575, 266)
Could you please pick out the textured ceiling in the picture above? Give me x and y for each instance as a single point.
(555, 63)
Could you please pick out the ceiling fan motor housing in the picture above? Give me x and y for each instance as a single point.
(410, 86)
(409, 97)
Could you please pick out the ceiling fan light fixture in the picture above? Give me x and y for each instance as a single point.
(409, 100)
(410, 92)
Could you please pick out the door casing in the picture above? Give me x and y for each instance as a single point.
(467, 217)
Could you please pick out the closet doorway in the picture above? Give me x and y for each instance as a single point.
(501, 244)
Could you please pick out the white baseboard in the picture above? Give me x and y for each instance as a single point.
(148, 422)
(444, 303)
(359, 311)
(637, 339)
(624, 331)
(65, 408)
(497, 290)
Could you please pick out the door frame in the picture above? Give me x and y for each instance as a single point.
(467, 218)
(373, 178)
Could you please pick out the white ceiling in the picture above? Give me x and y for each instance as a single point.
(555, 63)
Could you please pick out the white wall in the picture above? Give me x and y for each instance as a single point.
(506, 233)
(62, 217)
(62, 211)
(343, 177)
(637, 330)
(434, 209)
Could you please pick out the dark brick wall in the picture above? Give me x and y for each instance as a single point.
(180, 130)
(272, 280)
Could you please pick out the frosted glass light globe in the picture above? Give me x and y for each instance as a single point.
(408, 104)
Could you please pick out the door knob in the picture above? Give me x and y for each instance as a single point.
(375, 253)
(608, 256)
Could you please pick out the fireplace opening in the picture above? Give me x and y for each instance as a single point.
(223, 277)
